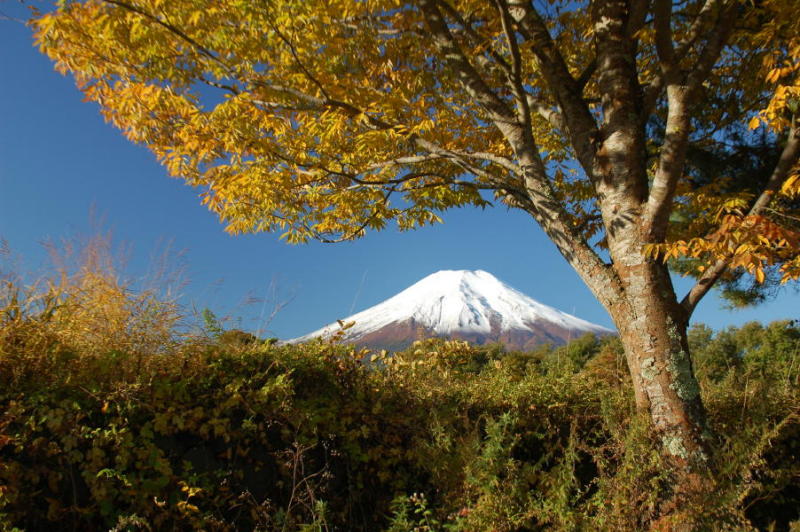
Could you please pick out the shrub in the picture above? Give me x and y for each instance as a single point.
(234, 433)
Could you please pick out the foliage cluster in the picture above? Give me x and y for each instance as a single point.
(234, 433)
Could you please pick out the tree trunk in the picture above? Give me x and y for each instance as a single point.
(652, 327)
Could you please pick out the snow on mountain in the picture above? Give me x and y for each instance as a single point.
(470, 305)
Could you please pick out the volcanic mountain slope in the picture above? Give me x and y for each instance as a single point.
(460, 304)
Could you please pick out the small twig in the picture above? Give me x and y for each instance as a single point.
(3, 16)
(300, 64)
(782, 214)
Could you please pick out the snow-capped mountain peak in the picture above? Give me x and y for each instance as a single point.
(473, 305)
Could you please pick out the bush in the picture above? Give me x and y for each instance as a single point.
(234, 433)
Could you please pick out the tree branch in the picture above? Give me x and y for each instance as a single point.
(173, 29)
(297, 60)
(581, 127)
(477, 40)
(681, 93)
(663, 27)
(698, 25)
(472, 82)
(550, 214)
(587, 73)
(515, 77)
(553, 116)
(788, 159)
(671, 162)
(355, 232)
(540, 201)
(716, 40)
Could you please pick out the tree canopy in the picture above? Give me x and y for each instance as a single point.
(325, 119)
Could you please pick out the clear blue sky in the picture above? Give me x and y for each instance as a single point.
(58, 159)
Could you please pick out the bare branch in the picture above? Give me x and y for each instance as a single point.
(473, 83)
(515, 78)
(663, 27)
(9, 18)
(553, 116)
(681, 93)
(568, 92)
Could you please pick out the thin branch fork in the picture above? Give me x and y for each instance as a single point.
(566, 90)
(476, 39)
(472, 82)
(667, 52)
(698, 26)
(682, 90)
(515, 77)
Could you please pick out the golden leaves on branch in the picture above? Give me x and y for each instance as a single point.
(272, 113)
(753, 243)
(781, 66)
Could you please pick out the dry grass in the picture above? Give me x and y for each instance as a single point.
(85, 303)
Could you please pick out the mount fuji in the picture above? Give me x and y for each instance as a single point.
(460, 304)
